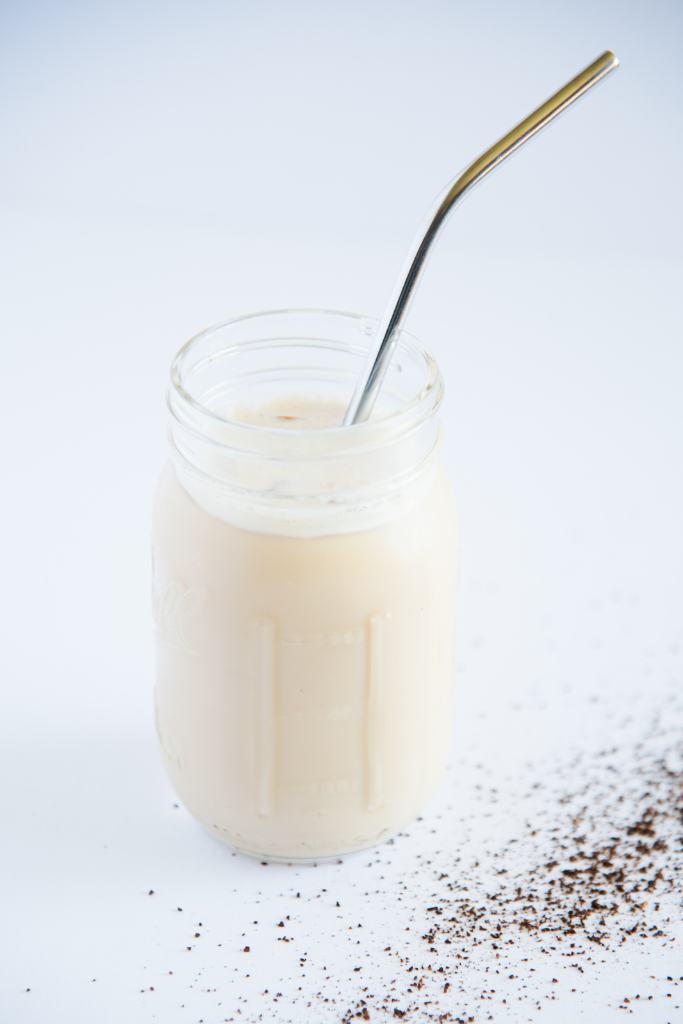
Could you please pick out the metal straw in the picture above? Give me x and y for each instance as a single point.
(366, 392)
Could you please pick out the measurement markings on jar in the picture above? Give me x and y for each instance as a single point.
(335, 638)
(321, 715)
(264, 732)
(374, 784)
(324, 787)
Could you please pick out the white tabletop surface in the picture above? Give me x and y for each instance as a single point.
(167, 166)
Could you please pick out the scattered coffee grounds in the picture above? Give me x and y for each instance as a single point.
(526, 891)
(599, 867)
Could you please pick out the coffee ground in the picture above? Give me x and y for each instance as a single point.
(600, 865)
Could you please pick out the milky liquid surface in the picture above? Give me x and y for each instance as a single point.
(290, 414)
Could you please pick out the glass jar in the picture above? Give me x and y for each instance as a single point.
(303, 589)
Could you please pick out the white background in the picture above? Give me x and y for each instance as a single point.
(170, 165)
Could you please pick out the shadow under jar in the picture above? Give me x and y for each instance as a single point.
(303, 587)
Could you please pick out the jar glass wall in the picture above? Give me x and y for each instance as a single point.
(303, 587)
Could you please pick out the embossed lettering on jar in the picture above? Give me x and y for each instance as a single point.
(303, 587)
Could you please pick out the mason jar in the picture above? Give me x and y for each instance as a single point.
(303, 578)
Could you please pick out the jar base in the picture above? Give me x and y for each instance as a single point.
(311, 859)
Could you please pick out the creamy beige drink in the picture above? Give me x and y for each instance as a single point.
(304, 622)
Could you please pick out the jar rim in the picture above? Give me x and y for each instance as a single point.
(414, 411)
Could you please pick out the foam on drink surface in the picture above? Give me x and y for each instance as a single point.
(290, 413)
